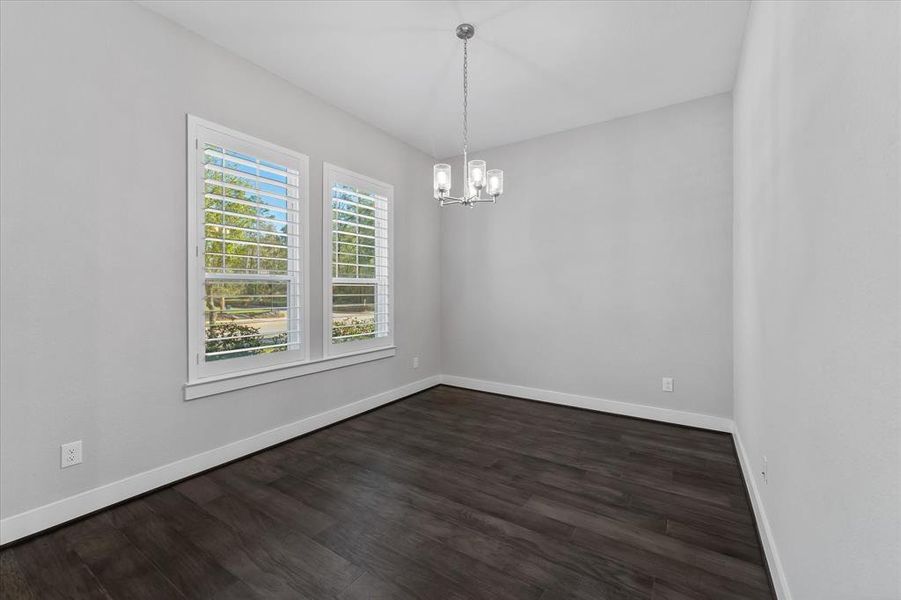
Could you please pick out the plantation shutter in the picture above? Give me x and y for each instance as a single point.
(359, 264)
(251, 252)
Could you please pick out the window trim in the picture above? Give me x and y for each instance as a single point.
(331, 173)
(195, 267)
(219, 384)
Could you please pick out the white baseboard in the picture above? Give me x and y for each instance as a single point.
(628, 409)
(66, 509)
(763, 525)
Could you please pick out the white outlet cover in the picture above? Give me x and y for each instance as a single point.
(70, 454)
(667, 384)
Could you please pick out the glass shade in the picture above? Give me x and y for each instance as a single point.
(495, 182)
(477, 173)
(441, 181)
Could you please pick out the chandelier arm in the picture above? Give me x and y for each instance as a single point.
(477, 197)
(446, 199)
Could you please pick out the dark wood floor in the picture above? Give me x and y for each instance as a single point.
(446, 494)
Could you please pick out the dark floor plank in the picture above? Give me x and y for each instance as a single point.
(318, 570)
(697, 535)
(372, 587)
(122, 569)
(591, 589)
(246, 480)
(656, 543)
(597, 501)
(448, 485)
(732, 523)
(664, 591)
(388, 428)
(449, 493)
(427, 464)
(54, 571)
(527, 541)
(363, 547)
(244, 558)
(393, 513)
(724, 585)
(192, 570)
(480, 564)
(13, 579)
(600, 467)
(200, 489)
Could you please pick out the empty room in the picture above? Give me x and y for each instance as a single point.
(376, 300)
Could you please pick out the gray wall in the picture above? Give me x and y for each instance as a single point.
(93, 99)
(817, 289)
(605, 266)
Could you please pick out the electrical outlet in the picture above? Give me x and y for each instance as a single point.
(764, 472)
(667, 384)
(415, 362)
(70, 454)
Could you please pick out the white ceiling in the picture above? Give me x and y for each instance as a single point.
(535, 67)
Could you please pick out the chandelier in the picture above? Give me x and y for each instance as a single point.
(477, 177)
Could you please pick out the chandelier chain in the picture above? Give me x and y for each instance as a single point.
(465, 97)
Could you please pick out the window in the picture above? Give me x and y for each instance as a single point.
(247, 216)
(248, 256)
(357, 262)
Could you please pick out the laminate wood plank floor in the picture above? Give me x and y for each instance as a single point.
(449, 493)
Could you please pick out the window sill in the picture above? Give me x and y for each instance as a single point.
(209, 386)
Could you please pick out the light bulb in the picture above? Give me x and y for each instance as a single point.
(441, 182)
(477, 173)
(495, 182)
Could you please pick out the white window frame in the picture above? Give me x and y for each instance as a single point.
(332, 175)
(199, 132)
